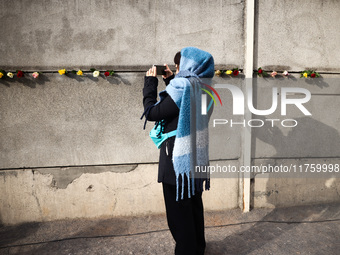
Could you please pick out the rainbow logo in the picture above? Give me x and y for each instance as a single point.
(211, 95)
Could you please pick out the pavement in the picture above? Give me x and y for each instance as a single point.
(312, 229)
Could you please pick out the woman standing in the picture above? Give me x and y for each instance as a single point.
(179, 109)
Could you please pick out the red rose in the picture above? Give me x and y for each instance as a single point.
(20, 74)
(236, 72)
(107, 74)
(260, 71)
(312, 75)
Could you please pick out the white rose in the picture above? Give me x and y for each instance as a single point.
(96, 73)
(10, 75)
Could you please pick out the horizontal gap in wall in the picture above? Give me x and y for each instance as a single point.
(98, 165)
(54, 69)
(74, 166)
(298, 72)
(129, 69)
(318, 94)
(281, 158)
(146, 163)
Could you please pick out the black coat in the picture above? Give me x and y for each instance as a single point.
(166, 110)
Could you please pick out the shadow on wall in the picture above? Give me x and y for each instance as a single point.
(29, 82)
(116, 79)
(12, 234)
(310, 138)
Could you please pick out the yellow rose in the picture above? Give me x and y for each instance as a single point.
(305, 75)
(62, 71)
(1, 74)
(229, 72)
(80, 72)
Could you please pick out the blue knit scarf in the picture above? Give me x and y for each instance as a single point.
(191, 142)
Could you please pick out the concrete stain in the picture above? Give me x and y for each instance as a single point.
(63, 40)
(94, 40)
(42, 39)
(265, 194)
(63, 176)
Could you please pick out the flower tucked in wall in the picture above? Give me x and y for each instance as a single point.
(10, 75)
(20, 74)
(80, 72)
(62, 71)
(285, 73)
(95, 72)
(228, 72)
(2, 73)
(109, 73)
(273, 74)
(261, 72)
(35, 75)
(218, 73)
(309, 73)
(236, 71)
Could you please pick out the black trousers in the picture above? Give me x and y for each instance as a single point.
(185, 220)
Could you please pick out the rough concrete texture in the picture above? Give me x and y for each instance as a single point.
(101, 194)
(63, 176)
(292, 230)
(316, 136)
(275, 189)
(70, 120)
(224, 142)
(118, 34)
(327, 84)
(295, 35)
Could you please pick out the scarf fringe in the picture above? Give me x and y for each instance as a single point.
(196, 185)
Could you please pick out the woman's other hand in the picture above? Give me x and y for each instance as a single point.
(152, 72)
(168, 72)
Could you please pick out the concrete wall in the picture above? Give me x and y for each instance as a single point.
(71, 142)
(299, 35)
(58, 193)
(315, 140)
(120, 34)
(70, 120)
(74, 146)
(295, 35)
